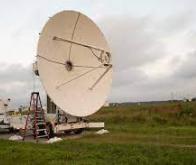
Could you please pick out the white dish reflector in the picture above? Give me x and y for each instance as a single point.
(74, 63)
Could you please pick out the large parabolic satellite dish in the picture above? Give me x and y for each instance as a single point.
(74, 63)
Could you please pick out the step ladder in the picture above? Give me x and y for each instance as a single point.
(35, 120)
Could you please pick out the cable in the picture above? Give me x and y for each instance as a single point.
(49, 60)
(72, 36)
(75, 78)
(99, 79)
(79, 66)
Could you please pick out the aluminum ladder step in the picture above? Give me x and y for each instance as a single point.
(40, 136)
(39, 130)
(40, 123)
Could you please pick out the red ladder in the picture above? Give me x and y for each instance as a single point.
(35, 120)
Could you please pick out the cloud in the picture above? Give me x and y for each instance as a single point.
(132, 41)
(17, 82)
(150, 47)
(179, 23)
(187, 69)
(138, 46)
(128, 76)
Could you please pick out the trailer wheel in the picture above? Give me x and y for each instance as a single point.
(50, 130)
(78, 131)
(11, 130)
(67, 132)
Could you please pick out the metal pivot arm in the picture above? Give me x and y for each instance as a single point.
(77, 43)
(99, 79)
(81, 44)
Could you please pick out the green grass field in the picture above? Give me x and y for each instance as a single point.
(156, 134)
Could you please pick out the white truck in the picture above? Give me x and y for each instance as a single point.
(60, 122)
(5, 118)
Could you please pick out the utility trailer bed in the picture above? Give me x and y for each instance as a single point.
(76, 126)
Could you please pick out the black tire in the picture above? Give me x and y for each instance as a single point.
(67, 132)
(11, 130)
(78, 131)
(50, 130)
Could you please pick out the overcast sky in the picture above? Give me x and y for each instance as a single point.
(152, 42)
